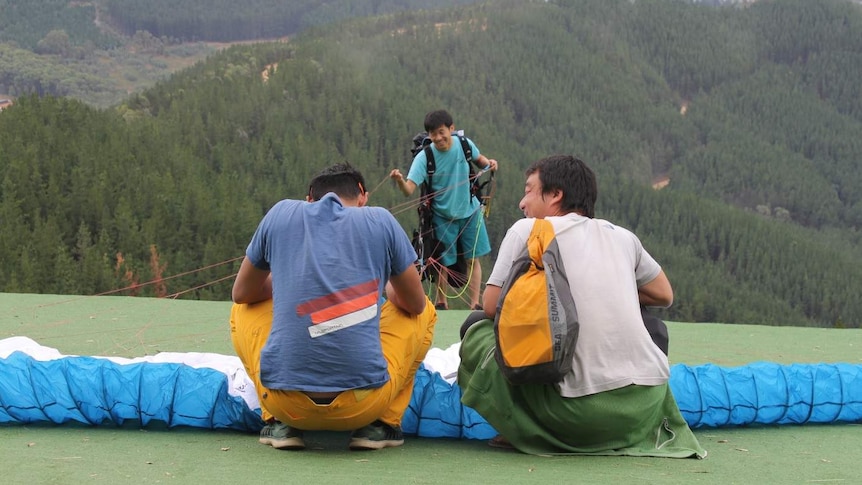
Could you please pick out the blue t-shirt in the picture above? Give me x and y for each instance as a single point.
(451, 180)
(329, 266)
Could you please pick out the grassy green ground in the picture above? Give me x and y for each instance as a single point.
(131, 327)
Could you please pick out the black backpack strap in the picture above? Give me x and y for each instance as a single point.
(424, 239)
(430, 169)
(468, 151)
(430, 164)
(475, 186)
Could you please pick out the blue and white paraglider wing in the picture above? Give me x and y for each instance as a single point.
(204, 390)
(37, 384)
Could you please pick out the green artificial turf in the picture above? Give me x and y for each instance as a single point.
(133, 327)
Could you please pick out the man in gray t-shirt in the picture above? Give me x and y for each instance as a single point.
(616, 399)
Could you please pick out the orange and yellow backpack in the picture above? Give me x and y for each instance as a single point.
(536, 325)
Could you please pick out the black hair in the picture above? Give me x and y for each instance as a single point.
(436, 119)
(341, 178)
(573, 177)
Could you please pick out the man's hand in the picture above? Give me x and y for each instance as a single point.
(488, 163)
(406, 186)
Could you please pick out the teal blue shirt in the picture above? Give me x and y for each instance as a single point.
(451, 181)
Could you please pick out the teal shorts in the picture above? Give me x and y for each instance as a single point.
(467, 237)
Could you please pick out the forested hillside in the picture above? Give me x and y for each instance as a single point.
(229, 20)
(752, 116)
(93, 24)
(100, 51)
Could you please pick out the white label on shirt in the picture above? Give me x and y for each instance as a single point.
(345, 321)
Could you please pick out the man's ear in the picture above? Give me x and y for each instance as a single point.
(362, 201)
(452, 128)
(556, 197)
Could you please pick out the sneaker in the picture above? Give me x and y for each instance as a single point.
(441, 306)
(375, 436)
(282, 437)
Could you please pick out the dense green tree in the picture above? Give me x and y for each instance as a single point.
(225, 20)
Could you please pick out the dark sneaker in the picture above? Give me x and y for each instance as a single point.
(282, 437)
(375, 436)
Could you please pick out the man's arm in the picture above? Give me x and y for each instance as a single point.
(405, 291)
(657, 292)
(407, 186)
(510, 248)
(490, 298)
(486, 162)
(252, 284)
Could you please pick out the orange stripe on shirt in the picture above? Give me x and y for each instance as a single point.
(341, 296)
(345, 308)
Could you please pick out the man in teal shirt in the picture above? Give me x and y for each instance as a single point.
(457, 216)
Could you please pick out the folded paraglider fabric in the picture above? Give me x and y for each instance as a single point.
(37, 384)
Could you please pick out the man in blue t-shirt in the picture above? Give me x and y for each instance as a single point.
(310, 326)
(457, 215)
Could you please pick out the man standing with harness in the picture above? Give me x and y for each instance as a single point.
(457, 215)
